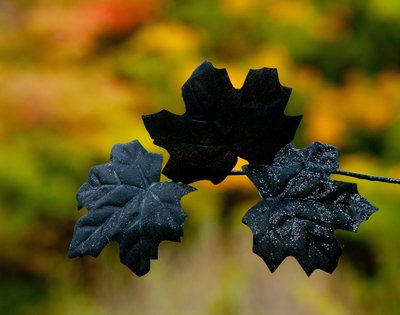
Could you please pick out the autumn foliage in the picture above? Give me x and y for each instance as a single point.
(76, 77)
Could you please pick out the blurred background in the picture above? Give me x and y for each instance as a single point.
(75, 78)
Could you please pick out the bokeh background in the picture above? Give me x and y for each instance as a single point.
(75, 78)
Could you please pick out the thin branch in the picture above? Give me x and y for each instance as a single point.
(351, 174)
(236, 172)
(368, 177)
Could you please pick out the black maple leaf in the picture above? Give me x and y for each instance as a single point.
(302, 207)
(222, 123)
(127, 203)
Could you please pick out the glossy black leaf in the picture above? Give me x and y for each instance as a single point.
(222, 123)
(301, 208)
(128, 204)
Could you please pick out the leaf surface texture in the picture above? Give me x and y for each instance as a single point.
(128, 204)
(301, 208)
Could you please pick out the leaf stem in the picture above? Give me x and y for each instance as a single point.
(351, 174)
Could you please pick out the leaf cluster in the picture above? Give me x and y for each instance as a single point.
(301, 205)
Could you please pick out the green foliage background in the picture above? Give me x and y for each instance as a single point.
(75, 78)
